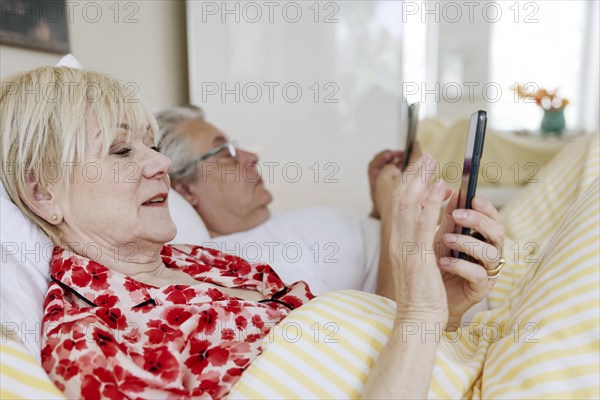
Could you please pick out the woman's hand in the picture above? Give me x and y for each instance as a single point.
(467, 281)
(404, 366)
(419, 289)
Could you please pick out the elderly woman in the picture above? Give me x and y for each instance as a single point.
(128, 317)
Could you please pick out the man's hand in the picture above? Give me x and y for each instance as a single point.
(377, 165)
(382, 194)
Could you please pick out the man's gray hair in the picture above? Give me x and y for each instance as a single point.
(175, 146)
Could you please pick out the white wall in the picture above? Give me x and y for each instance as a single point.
(151, 52)
(463, 56)
(351, 49)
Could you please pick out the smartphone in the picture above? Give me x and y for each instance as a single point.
(470, 172)
(411, 134)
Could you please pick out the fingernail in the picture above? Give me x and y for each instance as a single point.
(444, 261)
(478, 202)
(459, 214)
(439, 186)
(450, 238)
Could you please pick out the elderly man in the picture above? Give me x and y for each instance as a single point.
(328, 248)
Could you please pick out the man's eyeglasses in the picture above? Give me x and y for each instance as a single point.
(227, 150)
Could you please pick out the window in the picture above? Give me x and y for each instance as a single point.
(549, 44)
(544, 47)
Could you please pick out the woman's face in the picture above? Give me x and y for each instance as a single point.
(120, 200)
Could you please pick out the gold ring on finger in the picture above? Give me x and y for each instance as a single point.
(493, 273)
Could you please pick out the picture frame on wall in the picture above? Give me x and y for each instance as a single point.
(35, 24)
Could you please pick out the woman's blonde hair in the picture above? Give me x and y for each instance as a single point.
(45, 116)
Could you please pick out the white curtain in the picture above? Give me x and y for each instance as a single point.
(590, 94)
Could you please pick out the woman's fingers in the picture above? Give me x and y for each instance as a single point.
(432, 202)
(415, 179)
(469, 271)
(417, 152)
(485, 207)
(448, 194)
(447, 225)
(417, 203)
(485, 253)
(491, 229)
(451, 206)
(417, 279)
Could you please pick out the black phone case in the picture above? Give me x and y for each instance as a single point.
(475, 162)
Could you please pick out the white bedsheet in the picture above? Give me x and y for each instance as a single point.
(328, 248)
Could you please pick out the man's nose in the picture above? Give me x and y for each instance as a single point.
(247, 157)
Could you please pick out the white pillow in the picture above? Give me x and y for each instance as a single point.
(190, 227)
(25, 272)
(24, 277)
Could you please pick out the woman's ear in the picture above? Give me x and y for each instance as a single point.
(185, 191)
(43, 201)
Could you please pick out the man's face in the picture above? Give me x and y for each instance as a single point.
(229, 193)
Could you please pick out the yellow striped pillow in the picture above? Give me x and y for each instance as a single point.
(551, 345)
(535, 214)
(21, 377)
(543, 342)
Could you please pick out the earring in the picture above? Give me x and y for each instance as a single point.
(54, 218)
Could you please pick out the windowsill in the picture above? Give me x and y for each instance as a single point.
(565, 136)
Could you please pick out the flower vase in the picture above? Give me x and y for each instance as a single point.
(553, 121)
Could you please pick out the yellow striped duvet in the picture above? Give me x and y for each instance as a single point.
(542, 342)
(323, 350)
(21, 377)
(535, 214)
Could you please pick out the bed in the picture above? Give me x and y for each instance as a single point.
(539, 339)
